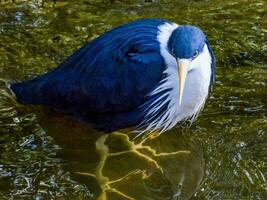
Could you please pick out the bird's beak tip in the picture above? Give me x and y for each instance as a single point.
(180, 100)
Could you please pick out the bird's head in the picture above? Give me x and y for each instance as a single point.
(185, 44)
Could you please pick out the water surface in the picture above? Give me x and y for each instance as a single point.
(46, 155)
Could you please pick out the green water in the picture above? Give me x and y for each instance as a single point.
(45, 155)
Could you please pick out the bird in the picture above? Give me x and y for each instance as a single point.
(149, 74)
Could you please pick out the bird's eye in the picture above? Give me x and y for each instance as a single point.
(173, 52)
(195, 54)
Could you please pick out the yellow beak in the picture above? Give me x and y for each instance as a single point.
(183, 66)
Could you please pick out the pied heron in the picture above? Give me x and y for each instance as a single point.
(149, 74)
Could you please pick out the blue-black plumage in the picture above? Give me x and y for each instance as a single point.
(130, 76)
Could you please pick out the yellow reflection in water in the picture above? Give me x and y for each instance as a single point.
(104, 153)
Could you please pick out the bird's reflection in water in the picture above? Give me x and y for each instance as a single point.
(169, 166)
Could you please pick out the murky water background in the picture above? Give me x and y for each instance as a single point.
(45, 155)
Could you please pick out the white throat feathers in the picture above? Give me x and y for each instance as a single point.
(164, 112)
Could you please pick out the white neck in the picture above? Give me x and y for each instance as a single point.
(195, 90)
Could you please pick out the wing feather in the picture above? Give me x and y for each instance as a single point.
(112, 74)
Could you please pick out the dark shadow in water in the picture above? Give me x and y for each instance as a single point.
(169, 166)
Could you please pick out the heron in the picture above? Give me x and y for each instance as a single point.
(149, 74)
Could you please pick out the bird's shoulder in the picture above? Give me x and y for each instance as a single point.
(130, 46)
(113, 73)
(137, 36)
